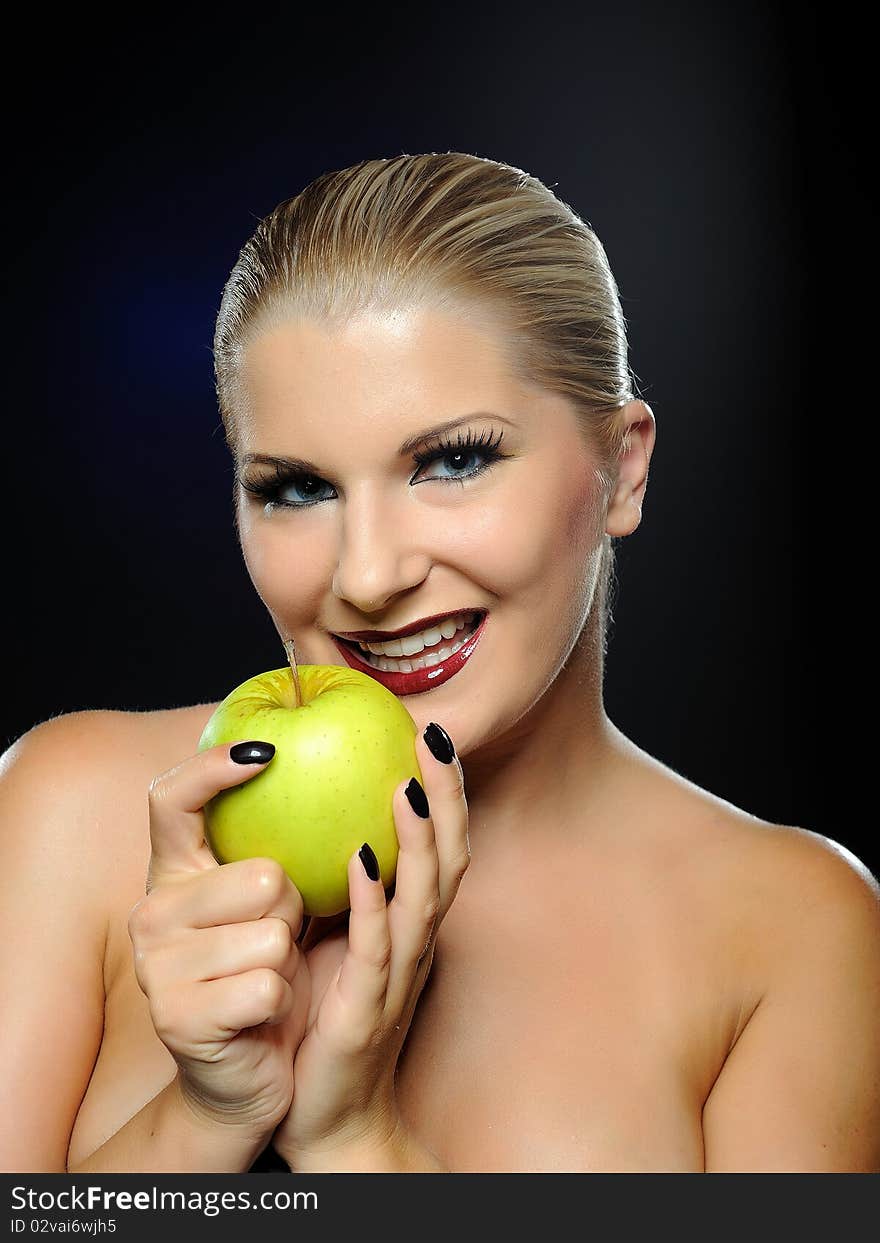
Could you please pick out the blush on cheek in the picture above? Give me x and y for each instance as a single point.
(579, 502)
(552, 552)
(516, 550)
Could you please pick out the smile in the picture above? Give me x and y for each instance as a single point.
(418, 662)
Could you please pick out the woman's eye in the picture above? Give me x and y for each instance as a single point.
(457, 462)
(302, 490)
(444, 463)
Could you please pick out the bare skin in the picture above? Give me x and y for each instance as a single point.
(634, 974)
(651, 1010)
(582, 1002)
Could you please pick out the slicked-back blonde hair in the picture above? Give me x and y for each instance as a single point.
(451, 231)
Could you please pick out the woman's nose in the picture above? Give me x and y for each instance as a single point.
(380, 555)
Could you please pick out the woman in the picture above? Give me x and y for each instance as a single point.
(587, 963)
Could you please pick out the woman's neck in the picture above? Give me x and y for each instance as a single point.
(545, 774)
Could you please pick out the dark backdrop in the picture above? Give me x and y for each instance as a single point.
(704, 143)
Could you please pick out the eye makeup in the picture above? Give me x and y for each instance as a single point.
(269, 487)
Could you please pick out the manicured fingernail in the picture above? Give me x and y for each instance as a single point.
(369, 860)
(252, 752)
(418, 800)
(439, 743)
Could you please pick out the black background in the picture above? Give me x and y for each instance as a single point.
(713, 148)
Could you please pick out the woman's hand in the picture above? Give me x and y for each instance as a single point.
(366, 980)
(215, 952)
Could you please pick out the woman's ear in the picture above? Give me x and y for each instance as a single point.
(625, 506)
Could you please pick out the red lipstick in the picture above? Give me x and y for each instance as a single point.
(420, 680)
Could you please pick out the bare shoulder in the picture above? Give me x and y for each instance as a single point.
(77, 767)
(136, 737)
(789, 885)
(798, 915)
(74, 847)
(816, 903)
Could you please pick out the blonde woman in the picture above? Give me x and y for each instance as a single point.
(586, 963)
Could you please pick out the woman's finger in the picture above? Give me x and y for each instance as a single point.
(444, 786)
(415, 907)
(363, 976)
(230, 894)
(195, 1013)
(231, 949)
(176, 799)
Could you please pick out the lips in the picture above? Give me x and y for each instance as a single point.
(420, 680)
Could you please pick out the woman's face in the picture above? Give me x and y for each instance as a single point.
(358, 534)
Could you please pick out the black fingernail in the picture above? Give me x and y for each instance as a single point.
(439, 743)
(369, 860)
(417, 799)
(252, 752)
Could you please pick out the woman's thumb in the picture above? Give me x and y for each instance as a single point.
(176, 799)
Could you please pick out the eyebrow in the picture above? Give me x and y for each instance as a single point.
(308, 468)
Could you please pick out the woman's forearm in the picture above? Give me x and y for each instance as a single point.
(168, 1137)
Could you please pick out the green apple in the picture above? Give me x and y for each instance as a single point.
(339, 756)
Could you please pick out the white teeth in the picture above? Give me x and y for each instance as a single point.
(379, 660)
(412, 644)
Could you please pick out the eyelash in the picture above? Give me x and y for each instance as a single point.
(485, 445)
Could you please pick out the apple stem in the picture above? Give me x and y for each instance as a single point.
(291, 656)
